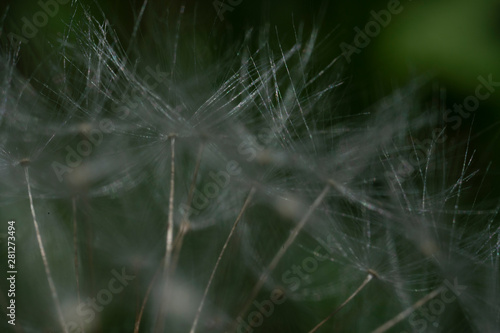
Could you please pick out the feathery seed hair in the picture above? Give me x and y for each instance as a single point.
(159, 186)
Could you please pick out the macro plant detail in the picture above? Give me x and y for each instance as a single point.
(162, 185)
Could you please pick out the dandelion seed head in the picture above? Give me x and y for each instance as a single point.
(216, 180)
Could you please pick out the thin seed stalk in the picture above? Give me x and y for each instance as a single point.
(368, 278)
(281, 252)
(52, 286)
(205, 293)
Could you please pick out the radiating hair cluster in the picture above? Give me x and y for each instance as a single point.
(158, 185)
